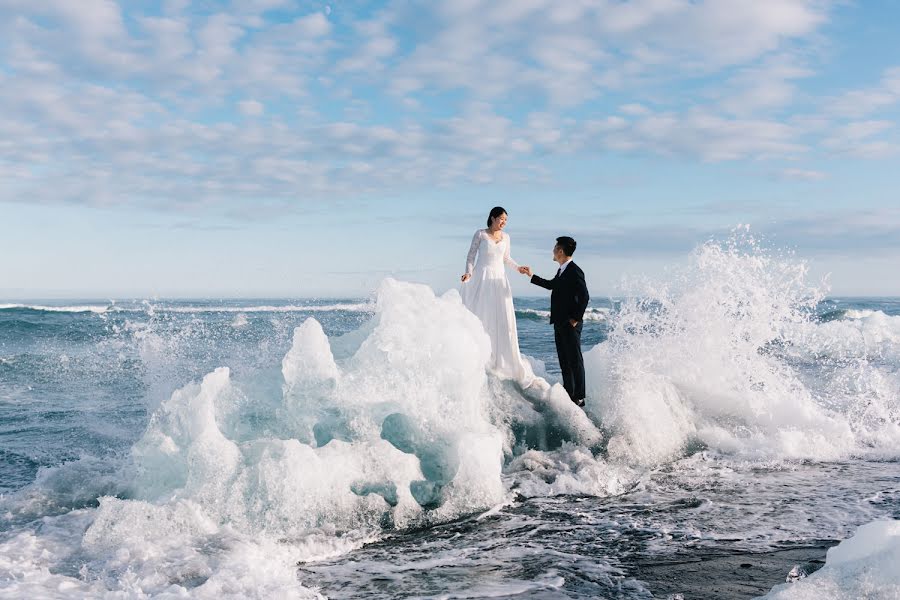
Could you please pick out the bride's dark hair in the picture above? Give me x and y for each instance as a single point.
(495, 212)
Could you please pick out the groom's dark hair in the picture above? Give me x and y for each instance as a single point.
(495, 213)
(567, 244)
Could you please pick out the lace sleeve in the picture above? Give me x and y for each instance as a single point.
(506, 257)
(473, 251)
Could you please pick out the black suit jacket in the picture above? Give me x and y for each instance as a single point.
(568, 294)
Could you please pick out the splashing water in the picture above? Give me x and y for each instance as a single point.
(395, 426)
(710, 360)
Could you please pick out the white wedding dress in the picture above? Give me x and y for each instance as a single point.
(489, 296)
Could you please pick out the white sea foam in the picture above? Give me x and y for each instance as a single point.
(865, 566)
(93, 308)
(861, 382)
(859, 314)
(868, 334)
(591, 314)
(150, 307)
(138, 550)
(364, 307)
(572, 469)
(226, 492)
(707, 359)
(398, 425)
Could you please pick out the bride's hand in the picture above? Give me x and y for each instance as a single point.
(465, 278)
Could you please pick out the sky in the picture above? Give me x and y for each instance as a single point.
(284, 148)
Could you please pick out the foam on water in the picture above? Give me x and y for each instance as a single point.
(155, 307)
(242, 473)
(148, 552)
(62, 309)
(590, 314)
(711, 359)
(395, 425)
(868, 334)
(347, 306)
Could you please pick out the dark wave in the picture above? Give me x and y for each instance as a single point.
(833, 315)
(532, 315)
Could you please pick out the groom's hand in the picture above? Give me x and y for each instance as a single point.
(525, 271)
(573, 322)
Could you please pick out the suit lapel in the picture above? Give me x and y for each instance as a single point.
(563, 274)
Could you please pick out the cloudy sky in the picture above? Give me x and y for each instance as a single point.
(292, 148)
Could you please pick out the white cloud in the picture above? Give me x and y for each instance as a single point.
(378, 45)
(91, 18)
(112, 106)
(251, 108)
(863, 129)
(216, 40)
(764, 86)
(714, 32)
(633, 109)
(315, 25)
(92, 31)
(170, 37)
(801, 174)
(855, 139)
(261, 6)
(571, 52)
(861, 103)
(695, 134)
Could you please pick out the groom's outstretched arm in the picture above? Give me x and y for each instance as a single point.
(541, 282)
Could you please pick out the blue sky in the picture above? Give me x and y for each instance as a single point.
(287, 148)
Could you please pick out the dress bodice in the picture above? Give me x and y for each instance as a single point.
(492, 255)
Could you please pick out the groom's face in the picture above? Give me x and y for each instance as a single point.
(558, 254)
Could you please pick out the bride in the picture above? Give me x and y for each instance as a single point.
(486, 292)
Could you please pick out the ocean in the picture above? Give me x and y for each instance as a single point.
(356, 448)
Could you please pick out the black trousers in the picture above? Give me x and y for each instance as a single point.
(571, 363)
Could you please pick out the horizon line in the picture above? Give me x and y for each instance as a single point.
(108, 300)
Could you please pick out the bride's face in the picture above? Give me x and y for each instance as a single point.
(499, 222)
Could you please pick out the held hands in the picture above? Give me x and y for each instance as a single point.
(522, 270)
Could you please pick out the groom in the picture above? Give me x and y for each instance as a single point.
(568, 301)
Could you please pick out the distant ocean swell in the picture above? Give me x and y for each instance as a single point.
(152, 308)
(592, 314)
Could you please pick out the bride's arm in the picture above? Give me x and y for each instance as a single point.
(473, 251)
(506, 257)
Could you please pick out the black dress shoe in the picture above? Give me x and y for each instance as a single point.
(579, 402)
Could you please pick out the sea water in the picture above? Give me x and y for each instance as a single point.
(350, 448)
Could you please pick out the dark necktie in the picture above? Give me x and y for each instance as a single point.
(558, 271)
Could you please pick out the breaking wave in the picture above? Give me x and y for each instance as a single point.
(397, 425)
